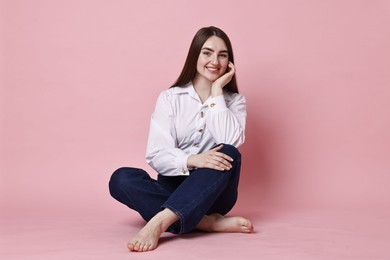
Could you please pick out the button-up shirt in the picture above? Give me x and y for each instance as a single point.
(182, 125)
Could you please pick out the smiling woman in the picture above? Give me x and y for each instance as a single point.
(202, 44)
(212, 64)
(195, 130)
(213, 61)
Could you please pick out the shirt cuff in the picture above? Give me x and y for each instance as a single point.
(184, 170)
(217, 103)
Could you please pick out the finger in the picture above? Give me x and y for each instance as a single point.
(215, 165)
(225, 156)
(220, 162)
(232, 68)
(219, 147)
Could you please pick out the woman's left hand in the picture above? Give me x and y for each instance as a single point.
(212, 159)
(221, 82)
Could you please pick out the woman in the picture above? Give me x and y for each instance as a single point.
(195, 129)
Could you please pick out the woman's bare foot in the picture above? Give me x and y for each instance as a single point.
(147, 238)
(219, 223)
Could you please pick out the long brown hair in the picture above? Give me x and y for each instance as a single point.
(189, 70)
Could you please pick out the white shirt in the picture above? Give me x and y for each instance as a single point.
(181, 125)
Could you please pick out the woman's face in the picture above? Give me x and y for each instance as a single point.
(213, 59)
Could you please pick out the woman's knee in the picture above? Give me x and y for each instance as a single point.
(121, 177)
(231, 150)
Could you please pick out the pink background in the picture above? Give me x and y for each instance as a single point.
(79, 80)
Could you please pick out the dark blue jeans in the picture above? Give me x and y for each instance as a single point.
(205, 191)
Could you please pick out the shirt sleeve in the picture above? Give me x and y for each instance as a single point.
(226, 120)
(161, 152)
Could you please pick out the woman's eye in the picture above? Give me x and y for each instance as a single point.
(223, 55)
(206, 53)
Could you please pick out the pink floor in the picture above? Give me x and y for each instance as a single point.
(291, 234)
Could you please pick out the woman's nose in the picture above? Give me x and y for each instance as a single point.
(214, 60)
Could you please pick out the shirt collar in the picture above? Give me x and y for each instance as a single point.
(186, 89)
(189, 89)
(183, 89)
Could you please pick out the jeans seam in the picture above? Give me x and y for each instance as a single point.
(181, 218)
(201, 195)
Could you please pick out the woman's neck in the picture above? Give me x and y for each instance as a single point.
(202, 87)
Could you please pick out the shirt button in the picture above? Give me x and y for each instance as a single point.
(201, 114)
(184, 171)
(212, 104)
(200, 130)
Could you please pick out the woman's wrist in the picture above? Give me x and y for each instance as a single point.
(190, 160)
(216, 91)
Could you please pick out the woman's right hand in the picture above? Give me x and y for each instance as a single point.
(212, 159)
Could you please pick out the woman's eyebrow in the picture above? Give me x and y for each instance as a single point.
(209, 49)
